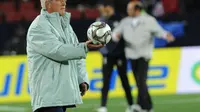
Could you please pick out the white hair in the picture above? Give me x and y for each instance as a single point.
(43, 3)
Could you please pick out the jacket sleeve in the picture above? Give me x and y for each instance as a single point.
(82, 72)
(46, 43)
(118, 30)
(156, 29)
(81, 68)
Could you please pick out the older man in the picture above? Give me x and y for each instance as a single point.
(57, 73)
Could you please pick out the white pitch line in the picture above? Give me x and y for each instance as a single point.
(12, 108)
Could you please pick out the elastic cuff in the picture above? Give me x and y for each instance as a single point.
(84, 46)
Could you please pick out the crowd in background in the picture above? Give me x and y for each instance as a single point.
(13, 33)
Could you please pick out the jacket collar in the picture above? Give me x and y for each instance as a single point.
(66, 17)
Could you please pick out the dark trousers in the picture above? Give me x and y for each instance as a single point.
(52, 109)
(140, 69)
(108, 64)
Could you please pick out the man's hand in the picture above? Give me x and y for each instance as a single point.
(170, 37)
(116, 37)
(93, 46)
(83, 88)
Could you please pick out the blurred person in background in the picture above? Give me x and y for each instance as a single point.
(113, 54)
(56, 60)
(158, 9)
(138, 30)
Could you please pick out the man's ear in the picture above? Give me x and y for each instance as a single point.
(47, 4)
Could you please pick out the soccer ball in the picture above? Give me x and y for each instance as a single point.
(99, 33)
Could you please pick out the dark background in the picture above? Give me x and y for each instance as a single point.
(16, 16)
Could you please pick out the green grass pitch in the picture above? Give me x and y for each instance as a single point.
(167, 103)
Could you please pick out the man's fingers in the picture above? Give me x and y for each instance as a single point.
(171, 39)
(88, 42)
(95, 45)
(83, 90)
(83, 93)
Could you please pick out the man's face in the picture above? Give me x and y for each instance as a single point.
(110, 10)
(130, 9)
(58, 6)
